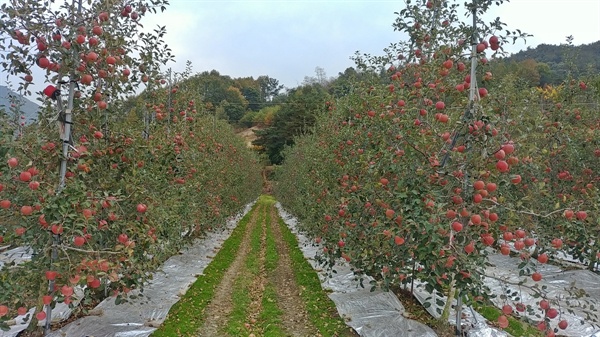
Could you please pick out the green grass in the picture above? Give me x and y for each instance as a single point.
(515, 326)
(270, 317)
(185, 317)
(241, 294)
(321, 310)
(272, 257)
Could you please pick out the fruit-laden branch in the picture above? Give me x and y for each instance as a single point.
(527, 212)
(63, 247)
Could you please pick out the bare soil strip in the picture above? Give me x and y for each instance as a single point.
(217, 312)
(257, 287)
(295, 320)
(249, 277)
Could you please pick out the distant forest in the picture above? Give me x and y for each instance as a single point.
(551, 64)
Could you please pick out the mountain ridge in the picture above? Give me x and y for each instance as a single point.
(28, 108)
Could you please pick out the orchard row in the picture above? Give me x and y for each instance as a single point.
(425, 175)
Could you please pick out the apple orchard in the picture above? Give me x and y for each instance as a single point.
(142, 177)
(418, 177)
(424, 176)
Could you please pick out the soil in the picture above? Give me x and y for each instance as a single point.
(295, 318)
(248, 135)
(418, 313)
(217, 312)
(294, 321)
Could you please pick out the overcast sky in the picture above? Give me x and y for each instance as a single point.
(287, 39)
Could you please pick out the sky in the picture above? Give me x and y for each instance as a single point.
(288, 39)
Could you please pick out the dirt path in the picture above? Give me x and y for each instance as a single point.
(217, 312)
(258, 294)
(295, 320)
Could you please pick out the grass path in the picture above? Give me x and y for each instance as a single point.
(259, 284)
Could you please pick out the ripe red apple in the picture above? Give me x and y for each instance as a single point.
(5, 204)
(66, 291)
(26, 210)
(542, 258)
(141, 208)
(43, 62)
(398, 240)
(552, 313)
(563, 324)
(479, 185)
(78, 241)
(502, 166)
(13, 162)
(503, 322)
(122, 238)
(91, 57)
(51, 275)
(457, 226)
(57, 229)
(25, 176)
(529, 242)
(508, 148)
(87, 213)
(581, 215)
(488, 240)
(507, 309)
(519, 244)
(95, 283)
(536, 277)
(97, 30)
(505, 249)
(568, 214)
(34, 185)
(341, 244)
(557, 243)
(103, 17)
(470, 247)
(516, 179)
(86, 79)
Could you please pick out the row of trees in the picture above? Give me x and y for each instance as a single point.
(102, 190)
(421, 175)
